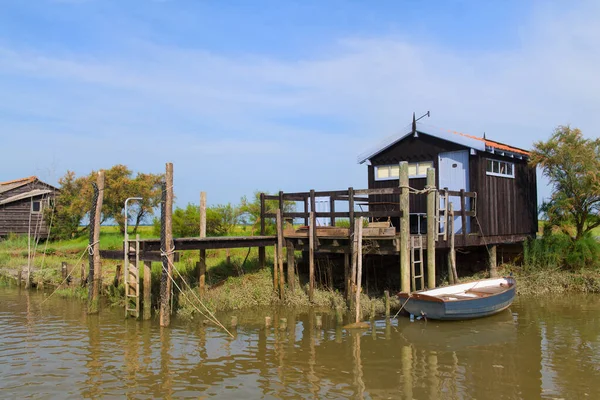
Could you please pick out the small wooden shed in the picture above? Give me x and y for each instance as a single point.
(22, 205)
(506, 202)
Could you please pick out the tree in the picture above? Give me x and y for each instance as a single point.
(250, 211)
(75, 198)
(220, 220)
(572, 164)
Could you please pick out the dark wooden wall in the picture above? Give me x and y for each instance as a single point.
(411, 149)
(14, 217)
(505, 206)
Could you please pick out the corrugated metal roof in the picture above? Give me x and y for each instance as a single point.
(26, 195)
(474, 142)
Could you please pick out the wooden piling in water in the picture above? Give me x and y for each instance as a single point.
(452, 275)
(275, 271)
(202, 262)
(147, 313)
(267, 322)
(167, 244)
(431, 228)
(358, 230)
(262, 251)
(318, 321)
(404, 229)
(311, 257)
(95, 265)
(386, 300)
(280, 254)
(234, 321)
(291, 264)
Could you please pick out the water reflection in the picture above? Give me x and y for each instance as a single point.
(540, 348)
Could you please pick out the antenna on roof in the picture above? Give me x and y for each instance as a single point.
(484, 135)
(414, 123)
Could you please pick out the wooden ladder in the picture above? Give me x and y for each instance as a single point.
(442, 214)
(416, 261)
(132, 282)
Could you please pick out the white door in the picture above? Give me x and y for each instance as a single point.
(453, 173)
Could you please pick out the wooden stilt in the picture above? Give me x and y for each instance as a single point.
(167, 258)
(452, 275)
(431, 228)
(347, 279)
(262, 254)
(359, 252)
(493, 261)
(404, 229)
(147, 290)
(96, 268)
(386, 300)
(291, 265)
(280, 254)
(311, 257)
(275, 271)
(202, 261)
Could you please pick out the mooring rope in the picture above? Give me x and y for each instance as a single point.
(210, 315)
(408, 298)
(87, 249)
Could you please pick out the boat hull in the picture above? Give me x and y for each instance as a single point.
(435, 308)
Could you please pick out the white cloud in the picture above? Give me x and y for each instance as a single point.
(214, 107)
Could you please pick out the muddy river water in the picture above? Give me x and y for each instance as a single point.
(545, 347)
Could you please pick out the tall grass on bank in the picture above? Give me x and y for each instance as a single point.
(559, 251)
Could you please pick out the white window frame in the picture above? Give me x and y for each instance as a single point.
(389, 166)
(500, 174)
(41, 206)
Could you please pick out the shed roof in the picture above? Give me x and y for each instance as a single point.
(15, 183)
(26, 195)
(473, 142)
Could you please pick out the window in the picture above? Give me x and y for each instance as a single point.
(36, 206)
(500, 168)
(415, 170)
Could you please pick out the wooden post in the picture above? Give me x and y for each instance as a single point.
(431, 228)
(96, 271)
(354, 248)
(280, 254)
(267, 322)
(386, 299)
(493, 261)
(83, 278)
(118, 275)
(306, 212)
(332, 210)
(234, 321)
(463, 216)
(63, 270)
(275, 269)
(291, 264)
(262, 254)
(359, 229)
(404, 230)
(202, 262)
(147, 290)
(347, 278)
(318, 321)
(452, 276)
(167, 244)
(311, 256)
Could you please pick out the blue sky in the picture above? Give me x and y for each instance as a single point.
(280, 95)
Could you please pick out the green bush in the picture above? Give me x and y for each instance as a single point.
(560, 251)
